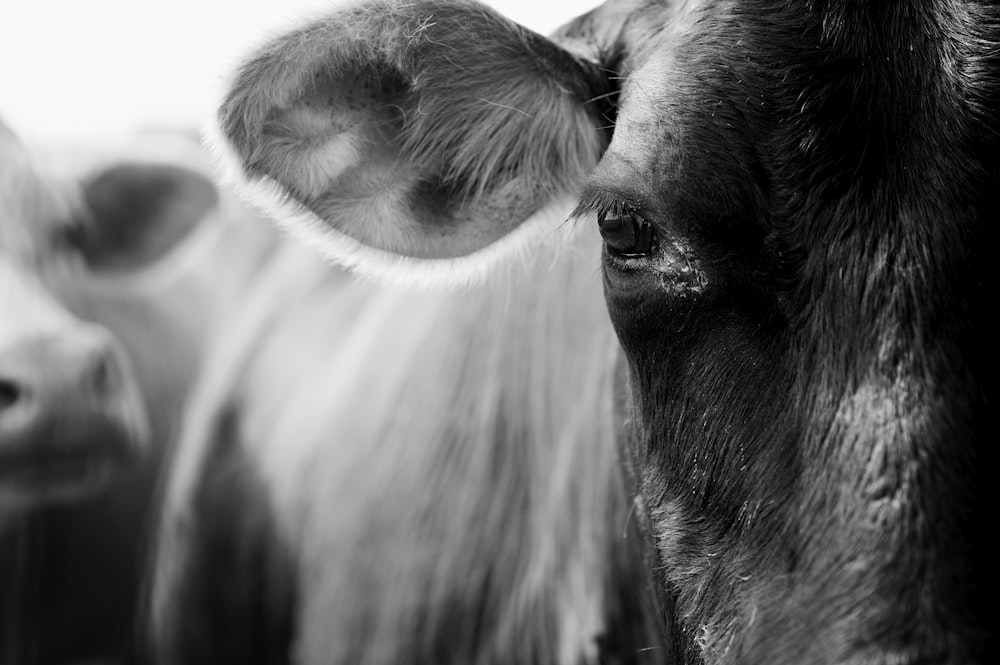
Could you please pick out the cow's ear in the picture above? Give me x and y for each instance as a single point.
(138, 212)
(395, 132)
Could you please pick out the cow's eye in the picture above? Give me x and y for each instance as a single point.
(69, 237)
(627, 234)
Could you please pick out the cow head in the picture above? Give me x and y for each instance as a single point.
(157, 257)
(71, 411)
(793, 199)
(117, 260)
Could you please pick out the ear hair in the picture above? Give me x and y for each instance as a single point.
(388, 129)
(460, 108)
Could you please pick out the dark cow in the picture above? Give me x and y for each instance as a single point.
(793, 198)
(145, 247)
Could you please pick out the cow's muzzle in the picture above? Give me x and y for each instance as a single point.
(71, 416)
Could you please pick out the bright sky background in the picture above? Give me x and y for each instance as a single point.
(82, 70)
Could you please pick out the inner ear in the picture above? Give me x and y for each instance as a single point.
(139, 212)
(382, 159)
(348, 120)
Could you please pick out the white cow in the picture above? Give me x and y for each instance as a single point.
(116, 262)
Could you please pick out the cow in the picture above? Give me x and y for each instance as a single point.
(793, 199)
(72, 418)
(70, 410)
(115, 264)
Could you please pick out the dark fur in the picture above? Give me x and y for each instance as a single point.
(811, 421)
(238, 591)
(138, 212)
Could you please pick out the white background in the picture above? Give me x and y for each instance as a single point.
(86, 70)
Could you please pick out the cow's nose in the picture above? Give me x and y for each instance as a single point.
(47, 374)
(70, 410)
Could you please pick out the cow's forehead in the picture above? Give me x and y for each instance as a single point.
(644, 137)
(710, 87)
(661, 97)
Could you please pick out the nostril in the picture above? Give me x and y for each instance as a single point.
(9, 393)
(102, 376)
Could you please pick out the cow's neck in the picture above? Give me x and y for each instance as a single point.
(890, 150)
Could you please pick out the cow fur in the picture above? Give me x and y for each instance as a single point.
(802, 387)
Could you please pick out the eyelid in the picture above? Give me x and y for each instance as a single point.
(625, 208)
(597, 200)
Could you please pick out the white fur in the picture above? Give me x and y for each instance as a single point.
(29, 312)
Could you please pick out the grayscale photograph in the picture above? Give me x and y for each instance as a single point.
(498, 332)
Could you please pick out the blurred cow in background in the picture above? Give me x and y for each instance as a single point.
(114, 267)
(70, 409)
(794, 203)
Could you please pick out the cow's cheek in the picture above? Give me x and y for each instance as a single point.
(648, 313)
(650, 300)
